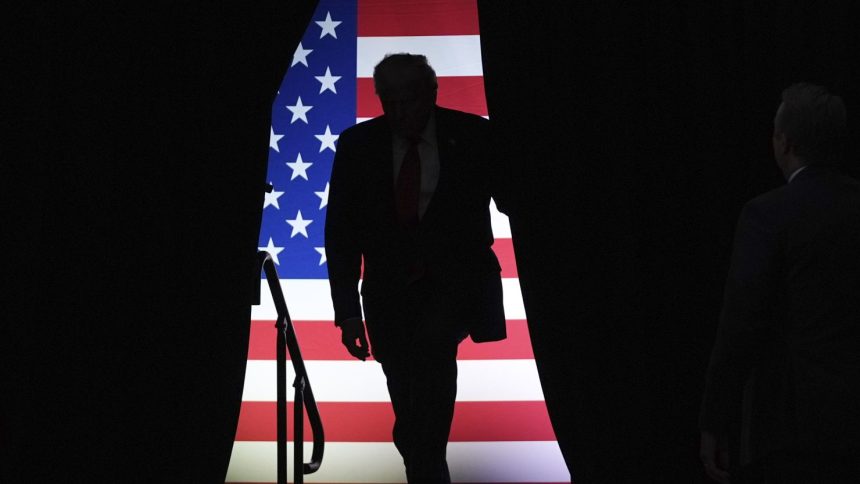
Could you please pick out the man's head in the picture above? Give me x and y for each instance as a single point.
(406, 86)
(808, 128)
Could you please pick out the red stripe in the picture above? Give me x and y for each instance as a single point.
(504, 249)
(320, 340)
(463, 93)
(393, 18)
(372, 422)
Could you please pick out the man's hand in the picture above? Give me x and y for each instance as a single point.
(715, 457)
(354, 339)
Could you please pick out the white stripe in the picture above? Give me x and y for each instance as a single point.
(449, 55)
(366, 462)
(307, 299)
(310, 300)
(363, 381)
(501, 224)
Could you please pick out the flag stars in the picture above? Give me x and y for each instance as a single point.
(327, 81)
(273, 139)
(300, 111)
(299, 167)
(272, 250)
(272, 199)
(299, 225)
(321, 251)
(301, 55)
(327, 139)
(323, 197)
(328, 25)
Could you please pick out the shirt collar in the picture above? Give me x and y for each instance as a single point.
(795, 173)
(427, 135)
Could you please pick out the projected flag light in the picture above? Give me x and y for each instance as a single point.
(501, 431)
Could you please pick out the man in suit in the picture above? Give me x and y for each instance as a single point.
(787, 353)
(409, 196)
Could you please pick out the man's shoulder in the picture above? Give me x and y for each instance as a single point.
(452, 116)
(372, 132)
(815, 193)
(812, 184)
(772, 198)
(469, 128)
(769, 208)
(365, 127)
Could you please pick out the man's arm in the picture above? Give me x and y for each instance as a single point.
(745, 321)
(343, 253)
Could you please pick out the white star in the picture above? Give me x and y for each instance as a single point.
(300, 111)
(328, 26)
(327, 139)
(321, 251)
(301, 55)
(273, 139)
(299, 167)
(299, 225)
(327, 81)
(272, 199)
(272, 250)
(323, 197)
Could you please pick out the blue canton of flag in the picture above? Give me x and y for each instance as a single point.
(316, 102)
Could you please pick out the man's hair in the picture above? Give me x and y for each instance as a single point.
(814, 121)
(405, 61)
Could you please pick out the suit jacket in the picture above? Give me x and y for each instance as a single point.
(452, 242)
(790, 325)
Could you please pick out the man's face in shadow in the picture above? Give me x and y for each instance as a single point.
(407, 100)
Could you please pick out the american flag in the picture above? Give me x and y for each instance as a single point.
(501, 431)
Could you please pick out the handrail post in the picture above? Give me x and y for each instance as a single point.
(299, 431)
(287, 343)
(282, 399)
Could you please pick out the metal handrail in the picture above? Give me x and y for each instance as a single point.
(304, 396)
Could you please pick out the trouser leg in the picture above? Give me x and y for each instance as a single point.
(421, 373)
(423, 390)
(434, 391)
(398, 379)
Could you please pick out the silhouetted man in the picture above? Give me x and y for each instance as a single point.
(409, 195)
(788, 344)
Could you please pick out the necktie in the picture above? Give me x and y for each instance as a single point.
(408, 187)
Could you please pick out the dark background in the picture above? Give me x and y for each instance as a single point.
(144, 151)
(633, 133)
(636, 132)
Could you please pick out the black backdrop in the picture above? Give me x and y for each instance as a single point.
(145, 145)
(636, 131)
(634, 134)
